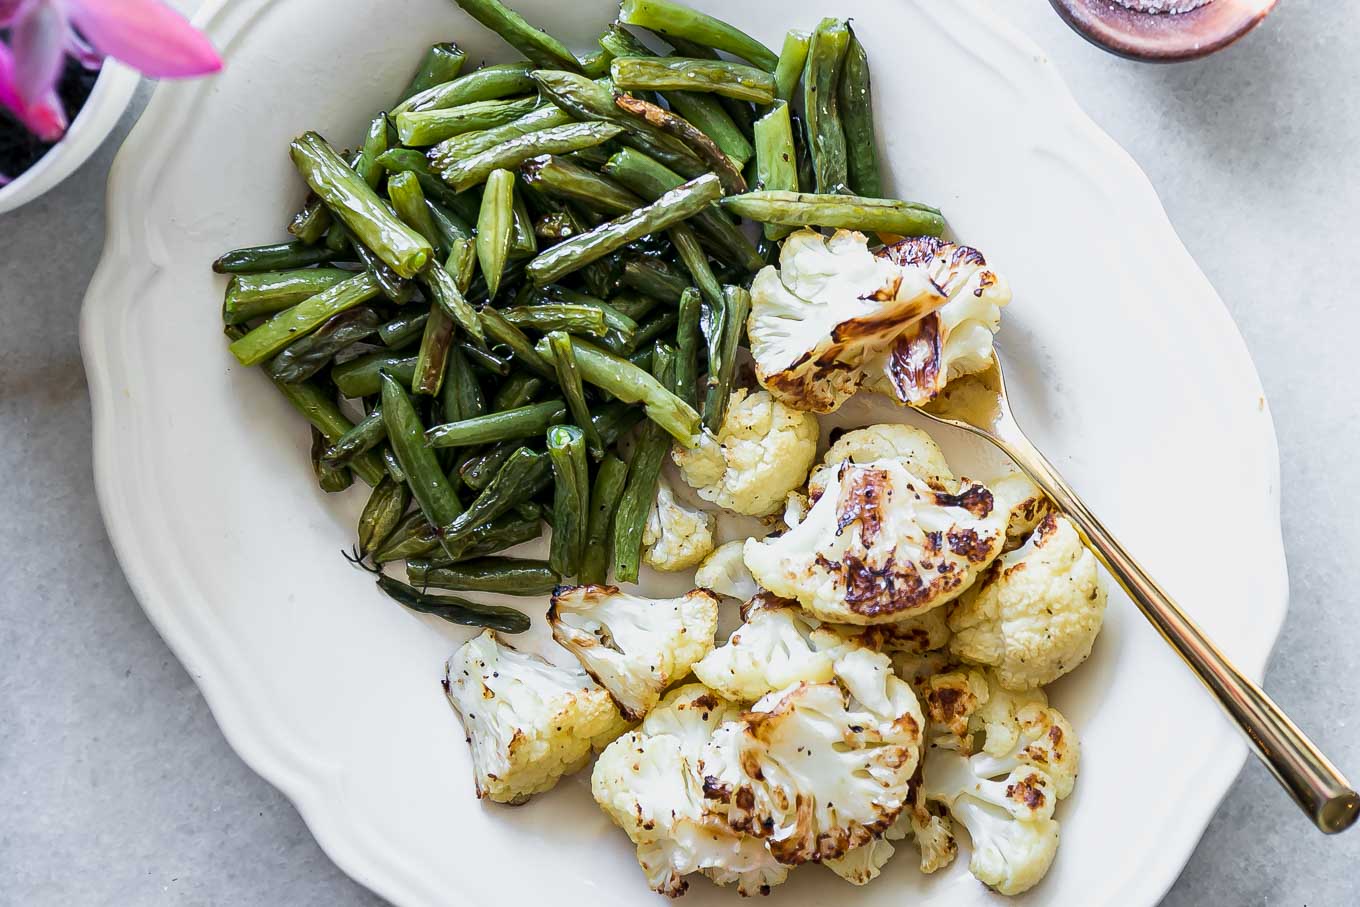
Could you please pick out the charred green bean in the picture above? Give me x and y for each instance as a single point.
(524, 422)
(503, 575)
(454, 609)
(721, 77)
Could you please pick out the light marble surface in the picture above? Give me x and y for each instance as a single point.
(117, 788)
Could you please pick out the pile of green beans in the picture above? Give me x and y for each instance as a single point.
(530, 280)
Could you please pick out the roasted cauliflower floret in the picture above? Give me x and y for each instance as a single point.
(834, 316)
(881, 545)
(913, 446)
(762, 451)
(1026, 504)
(999, 761)
(819, 768)
(634, 647)
(1035, 615)
(913, 636)
(772, 650)
(931, 832)
(528, 722)
(954, 340)
(676, 537)
(648, 782)
(724, 572)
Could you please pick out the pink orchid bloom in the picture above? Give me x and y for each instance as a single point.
(145, 34)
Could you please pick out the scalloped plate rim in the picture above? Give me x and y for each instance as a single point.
(302, 777)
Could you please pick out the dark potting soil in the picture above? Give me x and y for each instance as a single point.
(19, 149)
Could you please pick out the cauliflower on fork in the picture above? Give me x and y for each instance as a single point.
(833, 316)
(528, 722)
(881, 545)
(762, 451)
(634, 647)
(649, 782)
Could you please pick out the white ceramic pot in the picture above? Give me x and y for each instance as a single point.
(108, 99)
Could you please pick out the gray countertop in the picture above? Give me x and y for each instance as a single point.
(117, 788)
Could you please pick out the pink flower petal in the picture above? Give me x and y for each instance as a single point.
(38, 41)
(45, 119)
(11, 10)
(147, 35)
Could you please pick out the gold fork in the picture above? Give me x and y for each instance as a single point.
(979, 405)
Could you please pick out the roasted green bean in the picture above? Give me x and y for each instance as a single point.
(453, 609)
(516, 391)
(308, 355)
(651, 179)
(276, 257)
(534, 43)
(355, 203)
(251, 296)
(569, 379)
(525, 422)
(553, 316)
(789, 70)
(738, 307)
(672, 124)
(731, 80)
(857, 118)
(468, 172)
(503, 575)
(502, 331)
(290, 324)
(412, 537)
(441, 63)
(631, 384)
(604, 500)
(672, 19)
(384, 510)
(403, 189)
(571, 498)
(408, 160)
(311, 223)
(776, 159)
(688, 339)
(463, 146)
(330, 478)
(485, 84)
(494, 226)
(644, 473)
(592, 100)
(654, 278)
(848, 212)
(566, 180)
(427, 127)
(367, 433)
(519, 479)
(360, 377)
(672, 208)
(821, 103)
(429, 486)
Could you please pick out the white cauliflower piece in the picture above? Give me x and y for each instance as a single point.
(821, 768)
(913, 446)
(999, 761)
(772, 650)
(676, 537)
(881, 545)
(724, 572)
(1035, 615)
(834, 316)
(763, 450)
(634, 647)
(913, 636)
(648, 782)
(796, 506)
(1021, 498)
(528, 722)
(954, 340)
(931, 832)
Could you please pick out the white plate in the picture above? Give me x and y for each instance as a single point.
(1125, 366)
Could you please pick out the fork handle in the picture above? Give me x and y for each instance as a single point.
(1316, 785)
